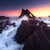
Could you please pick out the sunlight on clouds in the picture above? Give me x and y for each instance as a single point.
(43, 11)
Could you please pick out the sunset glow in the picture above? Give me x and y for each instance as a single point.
(41, 11)
(10, 13)
(38, 11)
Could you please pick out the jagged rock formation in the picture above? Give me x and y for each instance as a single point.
(34, 37)
(34, 34)
(43, 24)
(25, 30)
(27, 13)
(27, 27)
(38, 40)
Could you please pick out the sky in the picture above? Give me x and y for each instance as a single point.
(13, 7)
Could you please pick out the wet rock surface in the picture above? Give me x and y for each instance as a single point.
(25, 30)
(33, 33)
(38, 40)
(3, 17)
(4, 22)
(34, 37)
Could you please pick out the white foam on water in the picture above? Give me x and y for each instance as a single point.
(45, 19)
(48, 22)
(7, 36)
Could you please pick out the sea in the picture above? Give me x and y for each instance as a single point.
(7, 36)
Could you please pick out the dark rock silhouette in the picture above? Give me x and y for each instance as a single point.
(39, 17)
(1, 28)
(25, 30)
(47, 31)
(1, 23)
(27, 13)
(33, 33)
(33, 22)
(8, 23)
(37, 41)
(3, 17)
(34, 37)
(43, 24)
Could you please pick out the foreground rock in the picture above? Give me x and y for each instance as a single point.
(33, 33)
(25, 30)
(37, 41)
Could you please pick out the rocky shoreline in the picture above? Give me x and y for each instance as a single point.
(34, 34)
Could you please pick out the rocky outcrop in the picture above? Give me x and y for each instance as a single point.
(34, 37)
(27, 13)
(25, 30)
(33, 33)
(43, 24)
(37, 41)
(47, 31)
(4, 22)
(3, 18)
